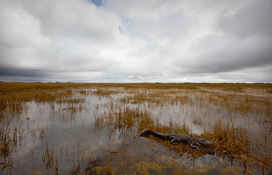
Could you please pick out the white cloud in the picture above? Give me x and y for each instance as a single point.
(168, 41)
(20, 38)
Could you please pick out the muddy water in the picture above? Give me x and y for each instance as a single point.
(65, 138)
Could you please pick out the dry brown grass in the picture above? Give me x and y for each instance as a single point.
(231, 142)
(13, 96)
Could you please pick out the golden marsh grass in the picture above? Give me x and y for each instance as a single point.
(226, 114)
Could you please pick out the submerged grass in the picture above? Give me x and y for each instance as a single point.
(235, 144)
(4, 144)
(120, 117)
(230, 141)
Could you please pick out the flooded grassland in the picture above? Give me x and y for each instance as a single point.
(69, 128)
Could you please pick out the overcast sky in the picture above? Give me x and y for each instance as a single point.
(136, 40)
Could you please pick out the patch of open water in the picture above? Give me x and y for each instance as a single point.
(52, 137)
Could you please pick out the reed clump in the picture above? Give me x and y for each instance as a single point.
(48, 158)
(118, 117)
(5, 147)
(230, 142)
(5, 151)
(235, 144)
(104, 92)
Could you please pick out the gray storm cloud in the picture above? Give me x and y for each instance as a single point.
(136, 41)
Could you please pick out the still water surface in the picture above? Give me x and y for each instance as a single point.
(64, 138)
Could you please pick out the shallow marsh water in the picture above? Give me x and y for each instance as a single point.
(96, 130)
